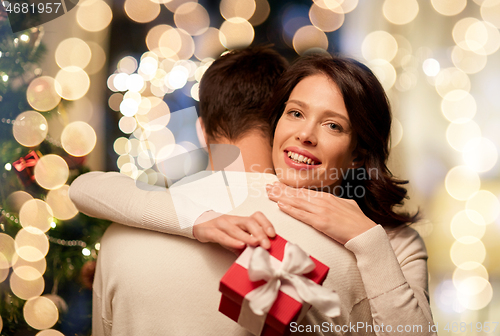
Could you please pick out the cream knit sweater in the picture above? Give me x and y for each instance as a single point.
(148, 283)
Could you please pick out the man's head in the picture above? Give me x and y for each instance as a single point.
(234, 90)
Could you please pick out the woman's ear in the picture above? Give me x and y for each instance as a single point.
(200, 132)
(358, 159)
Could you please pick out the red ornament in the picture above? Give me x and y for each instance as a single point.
(87, 273)
(25, 168)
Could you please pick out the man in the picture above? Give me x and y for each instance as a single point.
(149, 283)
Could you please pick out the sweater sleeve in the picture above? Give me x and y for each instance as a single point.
(121, 199)
(395, 279)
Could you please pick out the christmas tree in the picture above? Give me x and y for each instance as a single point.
(47, 249)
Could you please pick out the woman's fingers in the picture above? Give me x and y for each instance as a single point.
(236, 231)
(299, 214)
(266, 225)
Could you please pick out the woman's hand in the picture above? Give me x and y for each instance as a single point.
(340, 219)
(234, 232)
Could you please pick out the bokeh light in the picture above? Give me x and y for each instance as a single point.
(396, 132)
(458, 106)
(431, 67)
(449, 7)
(450, 79)
(51, 172)
(192, 17)
(141, 11)
(237, 8)
(400, 12)
(464, 229)
(262, 10)
(127, 124)
(30, 286)
(482, 38)
(78, 138)
(31, 244)
(7, 250)
(462, 182)
(379, 45)
(42, 94)
(325, 19)
(49, 332)
(36, 213)
(486, 204)
(169, 43)
(98, 58)
(93, 15)
(175, 162)
(309, 38)
(114, 101)
(468, 269)
(490, 11)
(384, 71)
(468, 61)
(208, 44)
(236, 33)
(73, 83)
(127, 64)
(73, 52)
(466, 252)
(121, 146)
(60, 203)
(39, 265)
(40, 313)
(157, 117)
(480, 154)
(459, 135)
(30, 128)
(172, 5)
(475, 293)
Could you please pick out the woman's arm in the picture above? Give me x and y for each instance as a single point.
(394, 271)
(121, 199)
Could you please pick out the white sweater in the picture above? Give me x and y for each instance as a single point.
(149, 283)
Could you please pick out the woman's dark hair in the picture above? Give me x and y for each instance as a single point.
(370, 115)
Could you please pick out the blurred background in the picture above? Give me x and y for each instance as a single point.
(86, 91)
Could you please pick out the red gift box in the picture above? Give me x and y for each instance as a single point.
(235, 285)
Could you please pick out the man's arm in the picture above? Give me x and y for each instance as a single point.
(116, 197)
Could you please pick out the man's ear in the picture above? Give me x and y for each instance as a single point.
(200, 132)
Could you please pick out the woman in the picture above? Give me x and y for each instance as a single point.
(332, 127)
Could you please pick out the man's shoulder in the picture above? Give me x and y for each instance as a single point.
(230, 178)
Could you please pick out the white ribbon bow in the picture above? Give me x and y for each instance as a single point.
(295, 263)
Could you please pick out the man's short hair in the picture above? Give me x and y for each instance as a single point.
(234, 90)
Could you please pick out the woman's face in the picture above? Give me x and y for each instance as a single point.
(313, 142)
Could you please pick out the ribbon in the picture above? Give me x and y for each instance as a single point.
(29, 160)
(295, 263)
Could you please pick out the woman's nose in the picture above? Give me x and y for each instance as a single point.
(306, 135)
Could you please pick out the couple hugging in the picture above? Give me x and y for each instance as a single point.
(309, 123)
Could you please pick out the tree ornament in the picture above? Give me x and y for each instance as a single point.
(87, 273)
(25, 168)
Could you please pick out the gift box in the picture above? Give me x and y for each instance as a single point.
(265, 291)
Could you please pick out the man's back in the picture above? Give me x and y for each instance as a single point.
(156, 284)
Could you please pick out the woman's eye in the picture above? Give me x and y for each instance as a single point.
(334, 127)
(295, 114)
